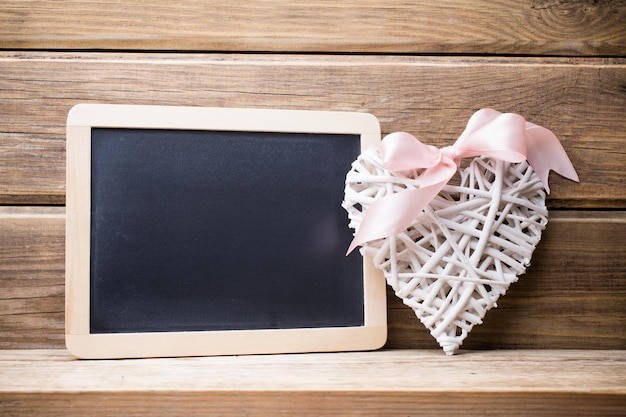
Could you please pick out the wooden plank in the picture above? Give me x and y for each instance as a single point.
(400, 382)
(583, 27)
(572, 296)
(582, 100)
(32, 267)
(337, 403)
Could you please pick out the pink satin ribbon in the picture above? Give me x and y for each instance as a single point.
(504, 136)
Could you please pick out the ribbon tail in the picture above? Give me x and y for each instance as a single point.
(393, 214)
(546, 153)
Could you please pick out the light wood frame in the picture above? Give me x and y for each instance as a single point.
(80, 342)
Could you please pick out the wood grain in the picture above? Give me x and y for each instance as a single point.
(582, 100)
(581, 27)
(572, 296)
(32, 283)
(367, 56)
(307, 403)
(399, 382)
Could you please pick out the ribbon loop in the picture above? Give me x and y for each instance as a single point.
(505, 136)
(401, 151)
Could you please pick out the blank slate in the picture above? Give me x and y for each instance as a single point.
(209, 231)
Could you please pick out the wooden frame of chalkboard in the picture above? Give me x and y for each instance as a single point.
(198, 231)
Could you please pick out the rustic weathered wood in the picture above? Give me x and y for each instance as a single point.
(581, 27)
(308, 403)
(582, 100)
(397, 382)
(571, 297)
(32, 256)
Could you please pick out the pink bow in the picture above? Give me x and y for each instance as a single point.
(505, 136)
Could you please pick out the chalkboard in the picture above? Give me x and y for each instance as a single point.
(203, 231)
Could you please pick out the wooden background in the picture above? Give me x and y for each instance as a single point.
(419, 66)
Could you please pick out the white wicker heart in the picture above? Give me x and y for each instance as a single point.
(462, 253)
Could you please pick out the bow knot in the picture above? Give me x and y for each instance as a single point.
(505, 136)
(451, 153)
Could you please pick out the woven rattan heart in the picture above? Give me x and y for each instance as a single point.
(462, 253)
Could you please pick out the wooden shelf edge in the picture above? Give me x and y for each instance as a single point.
(547, 371)
(391, 382)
